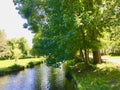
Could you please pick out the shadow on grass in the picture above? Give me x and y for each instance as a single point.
(101, 77)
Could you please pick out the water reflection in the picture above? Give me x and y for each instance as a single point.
(38, 78)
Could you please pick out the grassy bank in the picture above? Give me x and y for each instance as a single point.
(9, 66)
(104, 76)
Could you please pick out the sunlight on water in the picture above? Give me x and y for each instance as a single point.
(38, 78)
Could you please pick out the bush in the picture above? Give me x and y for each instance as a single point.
(30, 64)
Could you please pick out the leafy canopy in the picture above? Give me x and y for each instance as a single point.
(63, 27)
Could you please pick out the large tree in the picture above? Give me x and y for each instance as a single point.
(21, 44)
(67, 28)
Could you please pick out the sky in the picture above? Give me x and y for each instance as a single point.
(12, 23)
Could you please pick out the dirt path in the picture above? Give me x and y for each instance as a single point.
(112, 60)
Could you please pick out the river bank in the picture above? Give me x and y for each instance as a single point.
(41, 77)
(10, 66)
(103, 76)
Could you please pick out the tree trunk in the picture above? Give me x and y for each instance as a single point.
(82, 55)
(86, 57)
(97, 57)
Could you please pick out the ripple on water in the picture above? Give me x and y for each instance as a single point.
(38, 78)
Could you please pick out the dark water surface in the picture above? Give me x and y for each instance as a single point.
(37, 78)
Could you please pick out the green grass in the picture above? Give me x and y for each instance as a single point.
(105, 76)
(11, 69)
(22, 62)
(9, 66)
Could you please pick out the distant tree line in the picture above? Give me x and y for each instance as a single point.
(14, 48)
(111, 42)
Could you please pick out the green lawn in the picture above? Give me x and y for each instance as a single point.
(22, 62)
(10, 66)
(105, 76)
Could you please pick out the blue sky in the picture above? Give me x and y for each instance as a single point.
(12, 23)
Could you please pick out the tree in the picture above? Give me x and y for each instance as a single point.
(17, 54)
(21, 44)
(12, 44)
(35, 49)
(68, 28)
(4, 48)
(115, 41)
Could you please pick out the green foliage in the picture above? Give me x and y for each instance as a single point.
(21, 44)
(111, 41)
(17, 54)
(115, 41)
(104, 77)
(35, 49)
(32, 63)
(30, 9)
(64, 27)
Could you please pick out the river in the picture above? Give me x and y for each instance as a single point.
(37, 78)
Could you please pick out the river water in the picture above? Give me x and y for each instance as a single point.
(37, 78)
